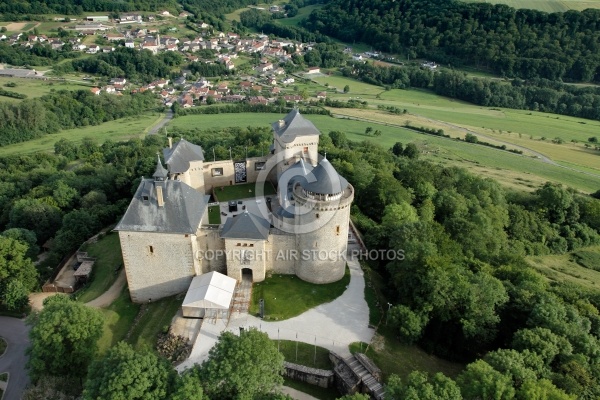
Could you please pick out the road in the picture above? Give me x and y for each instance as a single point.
(16, 334)
(154, 130)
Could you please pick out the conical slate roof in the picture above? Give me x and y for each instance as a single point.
(324, 179)
(161, 172)
(179, 156)
(296, 173)
(246, 226)
(294, 125)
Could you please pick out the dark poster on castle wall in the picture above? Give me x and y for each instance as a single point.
(240, 171)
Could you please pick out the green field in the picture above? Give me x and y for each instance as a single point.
(510, 168)
(155, 319)
(303, 13)
(107, 252)
(118, 318)
(545, 5)
(121, 129)
(37, 87)
(569, 268)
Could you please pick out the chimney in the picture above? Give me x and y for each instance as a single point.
(170, 142)
(281, 123)
(159, 196)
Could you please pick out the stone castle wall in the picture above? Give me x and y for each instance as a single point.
(324, 249)
(211, 250)
(282, 252)
(222, 173)
(157, 265)
(246, 254)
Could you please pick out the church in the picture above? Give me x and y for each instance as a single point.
(167, 239)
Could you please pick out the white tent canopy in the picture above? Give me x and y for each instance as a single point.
(209, 295)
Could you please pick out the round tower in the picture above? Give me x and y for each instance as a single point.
(322, 214)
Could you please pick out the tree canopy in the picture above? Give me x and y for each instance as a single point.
(63, 338)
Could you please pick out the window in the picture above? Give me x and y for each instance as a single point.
(217, 172)
(305, 150)
(151, 249)
(337, 229)
(145, 197)
(317, 215)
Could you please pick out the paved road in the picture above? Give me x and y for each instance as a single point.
(154, 130)
(13, 361)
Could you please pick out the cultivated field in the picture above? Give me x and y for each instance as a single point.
(545, 5)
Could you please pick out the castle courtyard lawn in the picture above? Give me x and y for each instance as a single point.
(312, 390)
(242, 191)
(214, 215)
(107, 252)
(287, 296)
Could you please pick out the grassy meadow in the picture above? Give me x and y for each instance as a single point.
(107, 252)
(571, 267)
(122, 129)
(37, 87)
(511, 169)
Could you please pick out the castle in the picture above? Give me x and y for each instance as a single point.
(165, 234)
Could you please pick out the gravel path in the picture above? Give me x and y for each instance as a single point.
(106, 298)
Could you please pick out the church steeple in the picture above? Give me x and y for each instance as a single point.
(161, 173)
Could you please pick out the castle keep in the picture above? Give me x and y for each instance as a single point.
(167, 240)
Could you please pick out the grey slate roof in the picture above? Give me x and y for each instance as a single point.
(324, 179)
(161, 172)
(179, 156)
(296, 173)
(246, 226)
(294, 125)
(182, 211)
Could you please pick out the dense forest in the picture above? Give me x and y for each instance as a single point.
(533, 94)
(512, 42)
(64, 109)
(38, 54)
(464, 289)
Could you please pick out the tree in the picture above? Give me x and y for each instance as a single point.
(187, 387)
(339, 139)
(542, 390)
(419, 386)
(15, 295)
(17, 272)
(242, 367)
(411, 151)
(37, 216)
(355, 396)
(346, 89)
(408, 323)
(126, 374)
(398, 149)
(63, 338)
(24, 236)
(368, 130)
(470, 138)
(480, 381)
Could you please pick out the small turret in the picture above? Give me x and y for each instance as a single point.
(161, 173)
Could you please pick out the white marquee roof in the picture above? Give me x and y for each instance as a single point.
(211, 290)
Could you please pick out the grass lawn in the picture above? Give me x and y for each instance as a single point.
(568, 267)
(315, 391)
(156, 318)
(305, 355)
(393, 357)
(118, 318)
(107, 252)
(242, 191)
(3, 346)
(214, 215)
(37, 87)
(287, 295)
(121, 129)
(4, 377)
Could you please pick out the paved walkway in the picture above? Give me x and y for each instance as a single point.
(332, 325)
(16, 334)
